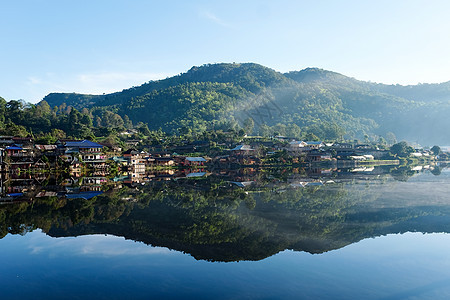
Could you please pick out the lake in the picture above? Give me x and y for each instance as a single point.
(368, 233)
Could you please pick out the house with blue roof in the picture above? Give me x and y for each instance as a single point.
(82, 151)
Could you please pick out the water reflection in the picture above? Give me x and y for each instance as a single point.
(233, 215)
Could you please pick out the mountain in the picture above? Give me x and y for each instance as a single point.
(318, 101)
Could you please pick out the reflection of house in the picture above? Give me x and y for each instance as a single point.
(318, 156)
(242, 184)
(194, 161)
(84, 195)
(94, 180)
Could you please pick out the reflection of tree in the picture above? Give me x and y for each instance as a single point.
(402, 173)
(215, 221)
(436, 170)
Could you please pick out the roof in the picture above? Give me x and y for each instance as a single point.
(313, 143)
(242, 148)
(83, 144)
(46, 147)
(17, 138)
(201, 159)
(119, 159)
(14, 148)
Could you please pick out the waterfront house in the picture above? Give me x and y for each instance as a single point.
(242, 150)
(6, 140)
(296, 146)
(85, 150)
(163, 161)
(24, 142)
(15, 151)
(313, 145)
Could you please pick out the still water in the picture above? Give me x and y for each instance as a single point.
(364, 234)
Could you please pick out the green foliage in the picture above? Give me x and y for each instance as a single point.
(401, 149)
(231, 96)
(436, 150)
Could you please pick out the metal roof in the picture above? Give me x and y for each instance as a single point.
(242, 148)
(313, 143)
(14, 148)
(83, 144)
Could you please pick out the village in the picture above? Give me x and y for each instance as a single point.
(80, 157)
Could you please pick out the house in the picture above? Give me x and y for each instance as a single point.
(164, 161)
(24, 142)
(15, 151)
(6, 140)
(111, 147)
(133, 143)
(47, 150)
(242, 150)
(296, 146)
(134, 156)
(85, 150)
(131, 153)
(416, 154)
(313, 145)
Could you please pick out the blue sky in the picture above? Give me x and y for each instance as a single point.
(101, 46)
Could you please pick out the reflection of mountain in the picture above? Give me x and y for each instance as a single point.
(214, 221)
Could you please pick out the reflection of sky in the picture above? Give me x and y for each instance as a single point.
(90, 245)
(408, 266)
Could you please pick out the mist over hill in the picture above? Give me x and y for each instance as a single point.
(328, 104)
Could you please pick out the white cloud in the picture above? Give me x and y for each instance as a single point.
(87, 83)
(214, 18)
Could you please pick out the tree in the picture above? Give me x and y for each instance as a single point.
(401, 149)
(391, 138)
(311, 137)
(436, 150)
(249, 124)
(293, 131)
(264, 130)
(127, 122)
(366, 138)
(382, 141)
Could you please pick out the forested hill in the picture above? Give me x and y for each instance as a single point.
(328, 104)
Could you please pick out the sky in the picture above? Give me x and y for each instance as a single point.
(102, 46)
